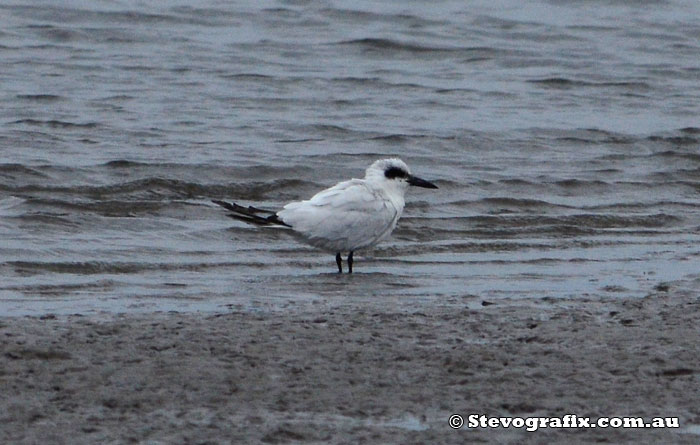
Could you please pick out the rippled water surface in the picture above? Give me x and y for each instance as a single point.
(564, 137)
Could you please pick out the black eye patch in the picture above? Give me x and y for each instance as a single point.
(395, 172)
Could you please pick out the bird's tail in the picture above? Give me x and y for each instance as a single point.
(250, 214)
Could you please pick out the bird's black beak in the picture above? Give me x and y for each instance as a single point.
(418, 182)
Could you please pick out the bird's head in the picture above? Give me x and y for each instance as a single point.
(394, 174)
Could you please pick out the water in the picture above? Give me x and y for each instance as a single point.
(564, 137)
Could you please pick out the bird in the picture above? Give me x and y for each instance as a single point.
(349, 216)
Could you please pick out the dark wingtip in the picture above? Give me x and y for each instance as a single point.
(250, 214)
(224, 204)
(276, 220)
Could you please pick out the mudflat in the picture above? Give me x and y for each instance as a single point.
(375, 373)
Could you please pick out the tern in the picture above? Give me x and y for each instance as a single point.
(351, 215)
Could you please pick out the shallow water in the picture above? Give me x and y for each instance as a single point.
(564, 137)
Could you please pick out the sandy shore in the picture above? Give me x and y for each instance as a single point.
(349, 374)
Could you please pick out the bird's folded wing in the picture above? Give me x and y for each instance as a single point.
(349, 211)
(347, 195)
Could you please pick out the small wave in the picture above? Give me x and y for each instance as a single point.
(392, 138)
(580, 183)
(247, 76)
(110, 267)
(161, 189)
(675, 140)
(523, 226)
(363, 81)
(116, 98)
(331, 128)
(123, 163)
(515, 181)
(520, 203)
(62, 289)
(294, 141)
(40, 97)
(641, 205)
(554, 82)
(17, 170)
(55, 123)
(695, 157)
(374, 82)
(328, 130)
(82, 268)
(130, 18)
(57, 34)
(46, 219)
(109, 208)
(594, 136)
(255, 172)
(581, 221)
(456, 90)
(381, 45)
(359, 17)
(564, 83)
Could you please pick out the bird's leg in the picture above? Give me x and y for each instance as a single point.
(350, 262)
(339, 262)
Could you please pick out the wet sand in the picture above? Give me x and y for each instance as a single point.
(344, 374)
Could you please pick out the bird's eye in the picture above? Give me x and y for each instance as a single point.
(395, 172)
